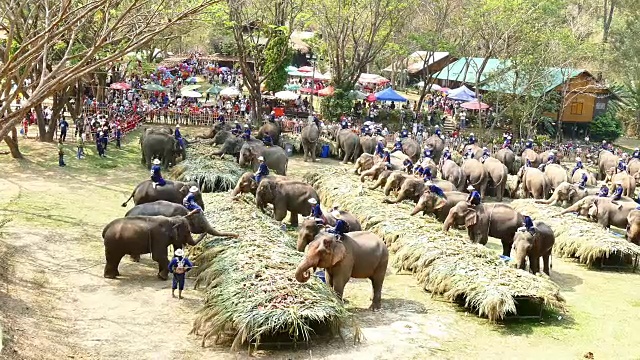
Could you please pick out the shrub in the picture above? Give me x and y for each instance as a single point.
(606, 127)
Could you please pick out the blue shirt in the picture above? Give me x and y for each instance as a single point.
(528, 144)
(436, 190)
(438, 132)
(579, 165)
(617, 193)
(427, 174)
(177, 134)
(239, 128)
(584, 179)
(486, 153)
(528, 223)
(446, 155)
(398, 146)
(427, 153)
(118, 133)
(551, 158)
(507, 142)
(604, 191)
(472, 139)
(419, 169)
(64, 125)
(316, 211)
(527, 163)
(247, 132)
(185, 263)
(636, 154)
(341, 227)
(380, 147)
(387, 158)
(155, 171)
(474, 197)
(404, 133)
(344, 124)
(267, 139)
(263, 170)
(189, 202)
(622, 166)
(408, 163)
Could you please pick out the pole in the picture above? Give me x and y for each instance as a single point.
(313, 83)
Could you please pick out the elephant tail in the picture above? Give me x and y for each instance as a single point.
(124, 204)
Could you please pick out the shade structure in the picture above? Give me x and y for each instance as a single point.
(153, 87)
(389, 94)
(230, 91)
(286, 95)
(190, 87)
(120, 86)
(308, 91)
(191, 94)
(434, 87)
(474, 105)
(462, 94)
(214, 90)
(372, 79)
(306, 69)
(297, 73)
(292, 87)
(328, 91)
(356, 95)
(291, 68)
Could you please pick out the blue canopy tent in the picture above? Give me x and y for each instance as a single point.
(389, 95)
(462, 94)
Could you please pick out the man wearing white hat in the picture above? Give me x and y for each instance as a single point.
(622, 165)
(247, 132)
(263, 170)
(341, 226)
(474, 196)
(156, 175)
(578, 166)
(485, 154)
(529, 144)
(237, 129)
(404, 133)
(617, 192)
(636, 154)
(179, 266)
(316, 212)
(472, 139)
(189, 201)
(397, 146)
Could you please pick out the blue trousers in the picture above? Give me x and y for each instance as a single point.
(178, 281)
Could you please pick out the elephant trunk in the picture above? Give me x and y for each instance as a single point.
(301, 272)
(304, 237)
(419, 207)
(236, 190)
(521, 256)
(448, 222)
(570, 209)
(551, 201)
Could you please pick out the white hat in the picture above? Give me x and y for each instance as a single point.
(437, 126)
(524, 213)
(619, 182)
(530, 140)
(404, 127)
(620, 159)
(386, 150)
(245, 125)
(236, 122)
(484, 148)
(637, 149)
(446, 148)
(470, 187)
(508, 137)
(471, 134)
(156, 161)
(604, 141)
(178, 252)
(312, 201)
(193, 189)
(578, 159)
(178, 125)
(336, 214)
(429, 183)
(397, 139)
(260, 158)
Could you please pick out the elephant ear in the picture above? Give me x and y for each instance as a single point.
(470, 218)
(593, 210)
(184, 189)
(438, 202)
(338, 252)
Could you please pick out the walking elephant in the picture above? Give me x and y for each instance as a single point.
(310, 135)
(198, 223)
(498, 220)
(360, 255)
(577, 177)
(139, 235)
(411, 148)
(158, 144)
(540, 244)
(534, 182)
(364, 163)
(348, 143)
(556, 174)
(172, 191)
(273, 129)
(368, 144)
(508, 158)
(309, 228)
(497, 173)
(568, 194)
(431, 203)
(436, 143)
(633, 227)
(453, 173)
(274, 156)
(286, 196)
(532, 156)
(475, 175)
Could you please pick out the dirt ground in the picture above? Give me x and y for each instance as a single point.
(54, 302)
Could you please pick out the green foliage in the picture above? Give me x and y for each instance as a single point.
(606, 127)
(277, 53)
(333, 106)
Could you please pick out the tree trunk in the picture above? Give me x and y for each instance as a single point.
(12, 143)
(42, 130)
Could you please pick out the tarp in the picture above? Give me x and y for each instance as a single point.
(462, 94)
(389, 94)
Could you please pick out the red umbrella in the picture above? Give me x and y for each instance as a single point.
(371, 97)
(474, 105)
(328, 91)
(306, 69)
(120, 86)
(308, 91)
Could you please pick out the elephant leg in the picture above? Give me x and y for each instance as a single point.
(163, 264)
(279, 212)
(313, 152)
(506, 246)
(305, 151)
(346, 157)
(112, 263)
(294, 219)
(376, 283)
(376, 185)
(339, 282)
(545, 260)
(534, 263)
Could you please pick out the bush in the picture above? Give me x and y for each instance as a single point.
(606, 127)
(332, 107)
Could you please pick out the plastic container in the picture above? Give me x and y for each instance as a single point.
(288, 148)
(325, 151)
(320, 275)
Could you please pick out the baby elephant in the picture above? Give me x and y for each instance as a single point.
(540, 244)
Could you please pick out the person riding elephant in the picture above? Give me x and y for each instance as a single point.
(473, 149)
(347, 143)
(607, 212)
(286, 196)
(374, 172)
(173, 191)
(533, 246)
(633, 226)
(497, 220)
(475, 175)
(633, 166)
(556, 174)
(273, 129)
(497, 173)
(568, 194)
(382, 180)
(606, 161)
(530, 158)
(247, 183)
(198, 223)
(431, 203)
(360, 255)
(627, 181)
(577, 177)
(436, 143)
(365, 162)
(274, 156)
(508, 158)
(139, 235)
(453, 173)
(310, 228)
(534, 182)
(550, 157)
(309, 137)
(215, 129)
(368, 144)
(156, 144)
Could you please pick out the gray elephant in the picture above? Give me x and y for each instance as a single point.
(508, 158)
(360, 255)
(534, 246)
(583, 206)
(172, 191)
(431, 203)
(497, 220)
(607, 213)
(534, 182)
(232, 146)
(577, 177)
(475, 149)
(286, 196)
(274, 156)
(544, 157)
(374, 172)
(532, 156)
(411, 148)
(364, 163)
(556, 174)
(411, 189)
(633, 166)
(215, 129)
(273, 129)
(497, 173)
(436, 144)
(633, 227)
(309, 228)
(221, 137)
(382, 180)
(568, 194)
(310, 135)
(606, 161)
(395, 181)
(138, 235)
(158, 144)
(247, 183)
(348, 143)
(628, 182)
(368, 144)
(475, 175)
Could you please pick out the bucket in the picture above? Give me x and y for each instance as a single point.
(320, 275)
(288, 148)
(325, 151)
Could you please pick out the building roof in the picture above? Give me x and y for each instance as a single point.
(415, 61)
(465, 69)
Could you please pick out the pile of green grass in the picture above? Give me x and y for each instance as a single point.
(211, 174)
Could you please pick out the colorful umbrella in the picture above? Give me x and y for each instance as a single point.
(306, 69)
(356, 95)
(120, 86)
(328, 91)
(286, 95)
(190, 94)
(230, 91)
(190, 87)
(474, 105)
(308, 91)
(153, 87)
(291, 68)
(371, 97)
(214, 90)
(292, 87)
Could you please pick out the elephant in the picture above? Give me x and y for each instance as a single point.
(583, 206)
(577, 177)
(556, 174)
(411, 148)
(247, 183)
(607, 213)
(138, 235)
(606, 161)
(360, 255)
(172, 191)
(436, 144)
(429, 163)
(309, 228)
(628, 183)
(633, 167)
(477, 151)
(534, 182)
(475, 175)
(508, 158)
(395, 181)
(310, 135)
(497, 173)
(349, 144)
(364, 163)
(430, 203)
(373, 172)
(285, 195)
(497, 220)
(568, 193)
(543, 157)
(540, 244)
(532, 156)
(232, 146)
(633, 227)
(368, 144)
(157, 144)
(274, 156)
(221, 136)
(273, 129)
(382, 179)
(411, 189)
(451, 172)
(198, 223)
(215, 129)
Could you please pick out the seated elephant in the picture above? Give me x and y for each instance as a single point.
(172, 191)
(569, 194)
(374, 172)
(198, 223)
(608, 213)
(436, 143)
(411, 189)
(364, 163)
(633, 227)
(215, 129)
(285, 196)
(274, 156)
(395, 181)
(138, 235)
(232, 146)
(360, 255)
(247, 183)
(382, 179)
(497, 220)
(430, 203)
(582, 206)
(540, 244)
(532, 156)
(309, 228)
(534, 182)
